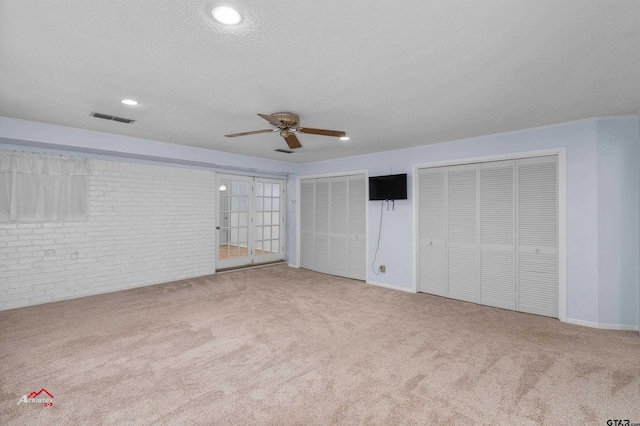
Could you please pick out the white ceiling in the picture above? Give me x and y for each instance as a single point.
(392, 74)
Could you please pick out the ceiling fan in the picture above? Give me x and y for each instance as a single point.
(287, 124)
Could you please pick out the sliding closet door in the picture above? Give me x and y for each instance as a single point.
(462, 265)
(307, 223)
(339, 239)
(332, 225)
(488, 233)
(497, 234)
(321, 240)
(357, 228)
(431, 231)
(537, 236)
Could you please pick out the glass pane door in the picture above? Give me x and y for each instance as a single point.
(250, 220)
(268, 241)
(233, 221)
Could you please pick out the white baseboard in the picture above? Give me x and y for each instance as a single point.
(393, 287)
(291, 265)
(603, 326)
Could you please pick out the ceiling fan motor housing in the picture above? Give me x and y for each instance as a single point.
(288, 119)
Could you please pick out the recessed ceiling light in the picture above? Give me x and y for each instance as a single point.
(344, 138)
(129, 102)
(226, 15)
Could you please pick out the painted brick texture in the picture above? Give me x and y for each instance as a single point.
(148, 224)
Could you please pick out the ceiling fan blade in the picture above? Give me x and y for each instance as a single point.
(292, 141)
(323, 132)
(271, 119)
(255, 132)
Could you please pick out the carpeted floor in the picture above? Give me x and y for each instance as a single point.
(283, 346)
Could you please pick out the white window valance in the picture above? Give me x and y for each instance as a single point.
(43, 187)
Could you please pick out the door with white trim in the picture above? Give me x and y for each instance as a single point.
(489, 233)
(333, 225)
(268, 220)
(250, 220)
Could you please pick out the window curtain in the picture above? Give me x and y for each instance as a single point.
(43, 187)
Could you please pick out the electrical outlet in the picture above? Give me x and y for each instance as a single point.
(383, 268)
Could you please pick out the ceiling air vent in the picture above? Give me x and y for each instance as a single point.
(285, 151)
(111, 117)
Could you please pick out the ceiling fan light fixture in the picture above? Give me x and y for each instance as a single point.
(129, 102)
(344, 138)
(226, 15)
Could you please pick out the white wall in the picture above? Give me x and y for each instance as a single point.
(580, 139)
(147, 225)
(617, 221)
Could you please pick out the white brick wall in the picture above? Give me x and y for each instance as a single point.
(148, 225)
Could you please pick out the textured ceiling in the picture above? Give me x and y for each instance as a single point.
(392, 74)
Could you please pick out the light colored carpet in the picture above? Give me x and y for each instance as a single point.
(283, 346)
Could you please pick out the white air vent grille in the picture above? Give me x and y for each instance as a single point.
(112, 118)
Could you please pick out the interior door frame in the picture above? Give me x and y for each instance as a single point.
(562, 211)
(252, 258)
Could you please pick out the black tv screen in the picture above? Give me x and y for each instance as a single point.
(390, 187)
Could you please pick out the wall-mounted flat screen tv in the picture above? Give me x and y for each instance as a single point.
(390, 187)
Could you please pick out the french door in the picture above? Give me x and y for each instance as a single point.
(250, 220)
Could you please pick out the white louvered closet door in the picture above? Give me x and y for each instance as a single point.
(357, 228)
(537, 235)
(321, 243)
(462, 266)
(497, 234)
(307, 223)
(339, 238)
(333, 225)
(431, 231)
(488, 233)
